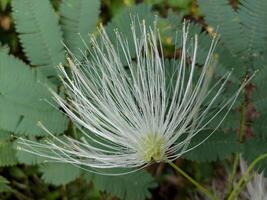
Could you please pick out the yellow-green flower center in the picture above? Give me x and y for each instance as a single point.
(152, 147)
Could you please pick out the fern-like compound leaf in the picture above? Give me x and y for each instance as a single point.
(59, 173)
(23, 100)
(221, 16)
(253, 16)
(123, 20)
(4, 185)
(134, 186)
(78, 20)
(7, 154)
(39, 34)
(218, 147)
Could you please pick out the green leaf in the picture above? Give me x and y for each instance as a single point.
(59, 173)
(78, 19)
(171, 28)
(26, 157)
(23, 100)
(4, 4)
(218, 146)
(153, 1)
(7, 154)
(253, 17)
(226, 61)
(4, 135)
(229, 27)
(122, 22)
(39, 34)
(259, 97)
(35, 157)
(180, 3)
(133, 186)
(254, 148)
(4, 185)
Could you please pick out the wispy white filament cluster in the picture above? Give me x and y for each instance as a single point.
(127, 112)
(257, 186)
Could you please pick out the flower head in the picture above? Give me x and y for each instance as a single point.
(257, 186)
(127, 112)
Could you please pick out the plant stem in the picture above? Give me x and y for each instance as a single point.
(233, 173)
(242, 122)
(194, 182)
(243, 178)
(241, 137)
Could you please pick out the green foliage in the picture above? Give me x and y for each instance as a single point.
(78, 20)
(228, 26)
(259, 98)
(180, 3)
(254, 148)
(24, 157)
(59, 173)
(253, 18)
(4, 185)
(133, 186)
(230, 32)
(217, 147)
(226, 61)
(23, 101)
(243, 32)
(4, 135)
(7, 154)
(39, 34)
(122, 22)
(116, 6)
(243, 37)
(154, 1)
(4, 3)
(7, 151)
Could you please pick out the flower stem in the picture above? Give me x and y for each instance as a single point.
(241, 136)
(242, 121)
(233, 174)
(194, 182)
(244, 177)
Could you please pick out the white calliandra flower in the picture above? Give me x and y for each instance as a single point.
(128, 114)
(257, 186)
